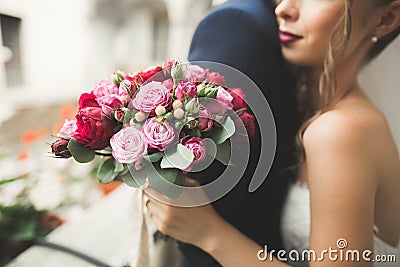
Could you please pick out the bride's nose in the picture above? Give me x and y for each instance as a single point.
(287, 10)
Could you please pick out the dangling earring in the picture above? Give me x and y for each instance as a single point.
(375, 37)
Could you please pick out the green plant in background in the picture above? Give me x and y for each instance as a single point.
(20, 225)
(24, 219)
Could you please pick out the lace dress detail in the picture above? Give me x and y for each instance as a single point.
(295, 228)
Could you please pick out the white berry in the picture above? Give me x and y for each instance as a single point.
(179, 113)
(160, 110)
(140, 116)
(176, 104)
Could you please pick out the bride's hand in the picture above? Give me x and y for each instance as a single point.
(193, 225)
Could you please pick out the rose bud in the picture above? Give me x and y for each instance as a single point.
(192, 106)
(117, 77)
(126, 85)
(119, 114)
(59, 149)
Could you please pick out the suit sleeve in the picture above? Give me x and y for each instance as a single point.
(235, 38)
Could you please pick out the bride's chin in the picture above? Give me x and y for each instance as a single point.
(301, 60)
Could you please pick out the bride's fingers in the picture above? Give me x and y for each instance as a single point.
(191, 182)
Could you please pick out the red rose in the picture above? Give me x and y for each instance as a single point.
(238, 98)
(150, 72)
(248, 122)
(136, 81)
(88, 100)
(94, 129)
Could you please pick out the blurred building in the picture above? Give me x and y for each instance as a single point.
(53, 50)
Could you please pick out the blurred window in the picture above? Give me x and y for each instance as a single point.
(10, 54)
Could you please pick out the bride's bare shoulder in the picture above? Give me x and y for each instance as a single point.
(351, 128)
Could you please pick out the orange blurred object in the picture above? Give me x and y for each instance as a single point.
(67, 112)
(31, 135)
(23, 155)
(108, 188)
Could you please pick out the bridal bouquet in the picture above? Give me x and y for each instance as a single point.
(156, 125)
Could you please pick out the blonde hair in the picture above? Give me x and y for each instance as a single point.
(327, 81)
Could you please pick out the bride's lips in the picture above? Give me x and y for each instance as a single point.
(288, 37)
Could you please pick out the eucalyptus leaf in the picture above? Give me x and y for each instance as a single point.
(118, 166)
(180, 158)
(224, 152)
(220, 135)
(79, 152)
(105, 172)
(161, 179)
(135, 176)
(165, 164)
(153, 157)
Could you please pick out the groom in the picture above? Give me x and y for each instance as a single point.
(243, 34)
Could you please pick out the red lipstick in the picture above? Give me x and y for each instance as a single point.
(288, 37)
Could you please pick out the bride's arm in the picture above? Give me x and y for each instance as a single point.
(342, 159)
(204, 228)
(341, 177)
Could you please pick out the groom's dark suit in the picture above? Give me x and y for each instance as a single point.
(243, 34)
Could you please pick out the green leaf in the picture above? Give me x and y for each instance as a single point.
(165, 164)
(137, 176)
(153, 157)
(105, 172)
(224, 152)
(79, 152)
(118, 166)
(161, 179)
(180, 157)
(221, 134)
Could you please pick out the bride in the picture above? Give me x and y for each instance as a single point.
(346, 193)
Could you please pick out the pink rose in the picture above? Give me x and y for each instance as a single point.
(104, 87)
(198, 148)
(204, 122)
(238, 98)
(194, 73)
(224, 96)
(186, 89)
(94, 128)
(109, 96)
(170, 64)
(214, 106)
(169, 84)
(158, 135)
(68, 129)
(150, 96)
(128, 145)
(215, 78)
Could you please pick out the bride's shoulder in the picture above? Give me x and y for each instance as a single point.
(347, 128)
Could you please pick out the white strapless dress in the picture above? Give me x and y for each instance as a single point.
(295, 228)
